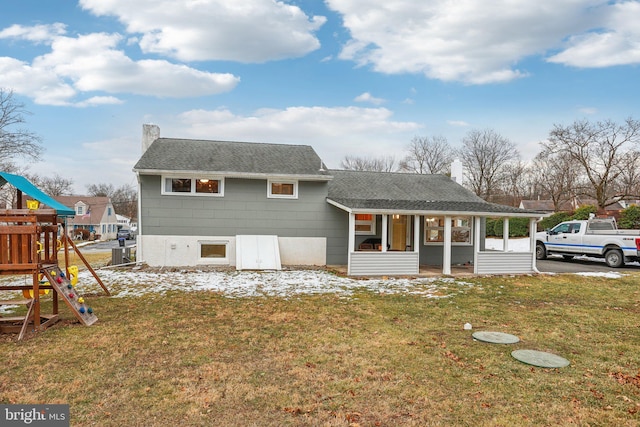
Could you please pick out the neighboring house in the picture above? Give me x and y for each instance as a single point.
(94, 214)
(123, 221)
(229, 203)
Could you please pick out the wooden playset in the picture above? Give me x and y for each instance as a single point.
(29, 245)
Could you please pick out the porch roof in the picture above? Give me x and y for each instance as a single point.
(359, 191)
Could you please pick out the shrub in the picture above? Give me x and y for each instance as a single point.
(583, 212)
(518, 227)
(630, 217)
(553, 220)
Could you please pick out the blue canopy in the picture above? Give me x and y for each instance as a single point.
(24, 185)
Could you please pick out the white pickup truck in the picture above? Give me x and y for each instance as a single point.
(597, 237)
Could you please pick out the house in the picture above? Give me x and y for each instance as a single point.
(205, 202)
(93, 214)
(570, 206)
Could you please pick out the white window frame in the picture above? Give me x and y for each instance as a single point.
(372, 224)
(192, 192)
(270, 195)
(453, 229)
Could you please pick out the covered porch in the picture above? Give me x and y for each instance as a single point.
(424, 243)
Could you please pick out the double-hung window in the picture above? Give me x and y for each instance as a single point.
(196, 186)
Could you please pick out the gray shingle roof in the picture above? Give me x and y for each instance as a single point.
(409, 192)
(169, 154)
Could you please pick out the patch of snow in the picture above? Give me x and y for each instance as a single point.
(515, 244)
(265, 283)
(608, 275)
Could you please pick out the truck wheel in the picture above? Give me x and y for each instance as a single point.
(541, 251)
(614, 258)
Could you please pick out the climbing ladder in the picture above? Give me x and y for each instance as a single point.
(62, 285)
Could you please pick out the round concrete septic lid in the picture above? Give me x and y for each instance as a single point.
(495, 337)
(540, 358)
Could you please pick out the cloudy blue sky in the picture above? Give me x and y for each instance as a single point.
(349, 77)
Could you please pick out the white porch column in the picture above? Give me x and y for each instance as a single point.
(446, 254)
(505, 235)
(532, 243)
(352, 240)
(476, 243)
(416, 233)
(385, 232)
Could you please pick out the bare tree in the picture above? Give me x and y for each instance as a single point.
(124, 199)
(53, 186)
(602, 150)
(100, 190)
(556, 176)
(628, 183)
(14, 140)
(428, 155)
(485, 154)
(516, 184)
(375, 164)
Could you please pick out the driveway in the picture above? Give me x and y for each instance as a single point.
(556, 264)
(105, 246)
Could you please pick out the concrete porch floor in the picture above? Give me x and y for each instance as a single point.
(425, 271)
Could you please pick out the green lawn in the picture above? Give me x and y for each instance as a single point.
(203, 359)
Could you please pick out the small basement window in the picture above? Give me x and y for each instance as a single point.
(214, 252)
(282, 189)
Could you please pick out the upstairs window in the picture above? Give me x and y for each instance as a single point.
(198, 186)
(282, 189)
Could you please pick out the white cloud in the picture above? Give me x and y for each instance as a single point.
(367, 97)
(244, 31)
(333, 132)
(458, 123)
(93, 62)
(482, 42)
(100, 161)
(617, 42)
(36, 33)
(588, 110)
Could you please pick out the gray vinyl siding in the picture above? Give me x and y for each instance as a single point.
(504, 262)
(382, 263)
(246, 209)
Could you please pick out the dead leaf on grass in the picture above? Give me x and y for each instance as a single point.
(626, 379)
(293, 411)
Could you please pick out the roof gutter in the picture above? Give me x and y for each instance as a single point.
(436, 212)
(229, 174)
